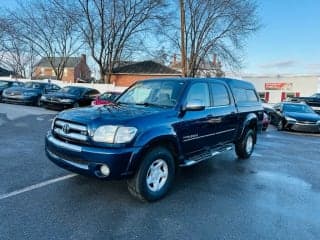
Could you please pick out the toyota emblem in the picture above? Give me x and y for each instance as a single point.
(65, 128)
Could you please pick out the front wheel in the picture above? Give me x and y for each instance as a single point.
(38, 102)
(245, 146)
(280, 125)
(76, 105)
(155, 175)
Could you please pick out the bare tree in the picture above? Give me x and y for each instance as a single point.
(109, 27)
(215, 27)
(42, 26)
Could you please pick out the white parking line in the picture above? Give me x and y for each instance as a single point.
(256, 155)
(36, 186)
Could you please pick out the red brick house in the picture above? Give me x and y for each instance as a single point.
(76, 69)
(126, 75)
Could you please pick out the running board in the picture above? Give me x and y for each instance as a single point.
(204, 156)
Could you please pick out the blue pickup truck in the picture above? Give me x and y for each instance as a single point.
(153, 128)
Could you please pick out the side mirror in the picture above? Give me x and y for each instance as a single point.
(194, 105)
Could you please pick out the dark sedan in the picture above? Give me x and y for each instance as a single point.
(69, 97)
(4, 84)
(296, 116)
(30, 93)
(106, 98)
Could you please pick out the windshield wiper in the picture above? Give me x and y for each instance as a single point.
(148, 104)
(123, 103)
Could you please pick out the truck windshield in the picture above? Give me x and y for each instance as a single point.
(162, 93)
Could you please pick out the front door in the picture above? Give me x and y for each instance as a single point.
(196, 127)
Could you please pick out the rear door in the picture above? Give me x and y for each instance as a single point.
(224, 114)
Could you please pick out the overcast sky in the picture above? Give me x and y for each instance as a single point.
(288, 42)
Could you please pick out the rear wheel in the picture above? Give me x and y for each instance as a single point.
(155, 175)
(244, 147)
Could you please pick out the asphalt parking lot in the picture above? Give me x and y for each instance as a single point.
(273, 195)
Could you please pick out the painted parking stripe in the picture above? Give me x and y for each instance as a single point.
(36, 186)
(256, 155)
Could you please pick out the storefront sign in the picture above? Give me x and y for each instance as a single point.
(278, 86)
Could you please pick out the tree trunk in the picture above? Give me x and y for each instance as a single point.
(102, 73)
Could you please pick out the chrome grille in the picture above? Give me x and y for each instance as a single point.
(306, 122)
(13, 93)
(70, 131)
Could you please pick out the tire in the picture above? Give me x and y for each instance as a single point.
(155, 175)
(38, 102)
(76, 105)
(245, 146)
(280, 126)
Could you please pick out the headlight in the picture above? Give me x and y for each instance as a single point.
(43, 98)
(29, 94)
(114, 134)
(66, 100)
(290, 119)
(318, 122)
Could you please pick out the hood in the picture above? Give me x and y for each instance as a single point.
(112, 114)
(310, 117)
(61, 95)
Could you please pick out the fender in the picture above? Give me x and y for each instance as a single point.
(162, 135)
(250, 119)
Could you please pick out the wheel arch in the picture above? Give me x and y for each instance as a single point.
(250, 122)
(167, 141)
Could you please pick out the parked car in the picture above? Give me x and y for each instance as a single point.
(29, 93)
(106, 98)
(155, 126)
(296, 116)
(68, 97)
(8, 83)
(313, 101)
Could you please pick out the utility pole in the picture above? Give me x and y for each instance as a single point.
(183, 47)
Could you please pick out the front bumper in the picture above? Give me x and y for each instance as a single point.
(20, 99)
(87, 160)
(56, 105)
(305, 127)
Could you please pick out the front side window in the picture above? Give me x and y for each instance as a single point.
(220, 95)
(34, 85)
(199, 92)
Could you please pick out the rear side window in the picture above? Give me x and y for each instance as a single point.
(245, 95)
(199, 92)
(220, 95)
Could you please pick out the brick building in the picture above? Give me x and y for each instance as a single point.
(126, 75)
(76, 69)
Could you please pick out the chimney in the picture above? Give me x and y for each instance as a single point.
(83, 58)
